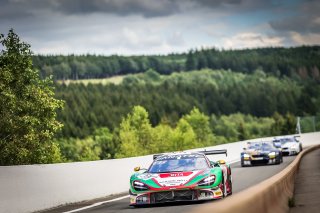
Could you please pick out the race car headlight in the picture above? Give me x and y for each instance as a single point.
(207, 181)
(139, 186)
(246, 155)
(272, 154)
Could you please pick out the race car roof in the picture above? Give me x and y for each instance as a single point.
(191, 153)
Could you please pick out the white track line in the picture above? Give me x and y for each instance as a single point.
(97, 204)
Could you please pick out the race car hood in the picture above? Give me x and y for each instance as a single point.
(172, 178)
(257, 151)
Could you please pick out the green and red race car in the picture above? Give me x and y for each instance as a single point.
(182, 176)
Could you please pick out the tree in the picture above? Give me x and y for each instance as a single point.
(183, 136)
(27, 108)
(152, 75)
(191, 63)
(104, 138)
(290, 124)
(79, 150)
(279, 122)
(243, 133)
(162, 139)
(135, 133)
(201, 127)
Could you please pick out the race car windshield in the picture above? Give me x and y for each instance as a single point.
(264, 146)
(178, 164)
(286, 140)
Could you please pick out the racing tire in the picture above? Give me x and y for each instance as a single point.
(230, 185)
(278, 160)
(224, 188)
(300, 149)
(242, 164)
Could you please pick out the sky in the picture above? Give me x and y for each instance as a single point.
(136, 27)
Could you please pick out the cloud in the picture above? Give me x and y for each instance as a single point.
(107, 34)
(175, 39)
(238, 5)
(134, 27)
(251, 40)
(305, 39)
(146, 8)
(305, 20)
(303, 24)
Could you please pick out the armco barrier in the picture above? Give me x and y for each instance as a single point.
(271, 195)
(31, 188)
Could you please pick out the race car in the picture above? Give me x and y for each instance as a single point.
(181, 176)
(290, 145)
(260, 153)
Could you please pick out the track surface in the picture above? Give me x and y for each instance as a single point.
(242, 179)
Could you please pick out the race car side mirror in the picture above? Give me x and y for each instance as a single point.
(222, 162)
(137, 169)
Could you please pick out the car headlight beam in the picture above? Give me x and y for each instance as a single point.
(139, 186)
(207, 181)
(246, 155)
(272, 154)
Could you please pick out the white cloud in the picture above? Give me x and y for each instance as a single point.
(176, 39)
(305, 39)
(107, 34)
(251, 40)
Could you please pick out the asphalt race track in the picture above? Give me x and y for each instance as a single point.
(242, 179)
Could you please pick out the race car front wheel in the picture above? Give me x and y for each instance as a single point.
(223, 187)
(278, 160)
(229, 192)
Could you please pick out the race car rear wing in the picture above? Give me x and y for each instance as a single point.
(214, 152)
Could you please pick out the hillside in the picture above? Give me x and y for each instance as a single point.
(215, 92)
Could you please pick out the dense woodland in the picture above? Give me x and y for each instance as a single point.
(295, 61)
(180, 101)
(236, 106)
(171, 97)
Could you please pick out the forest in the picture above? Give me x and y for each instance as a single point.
(179, 101)
(231, 106)
(295, 62)
(170, 97)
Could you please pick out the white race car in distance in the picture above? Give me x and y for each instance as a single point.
(289, 145)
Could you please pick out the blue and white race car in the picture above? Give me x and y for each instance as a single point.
(260, 153)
